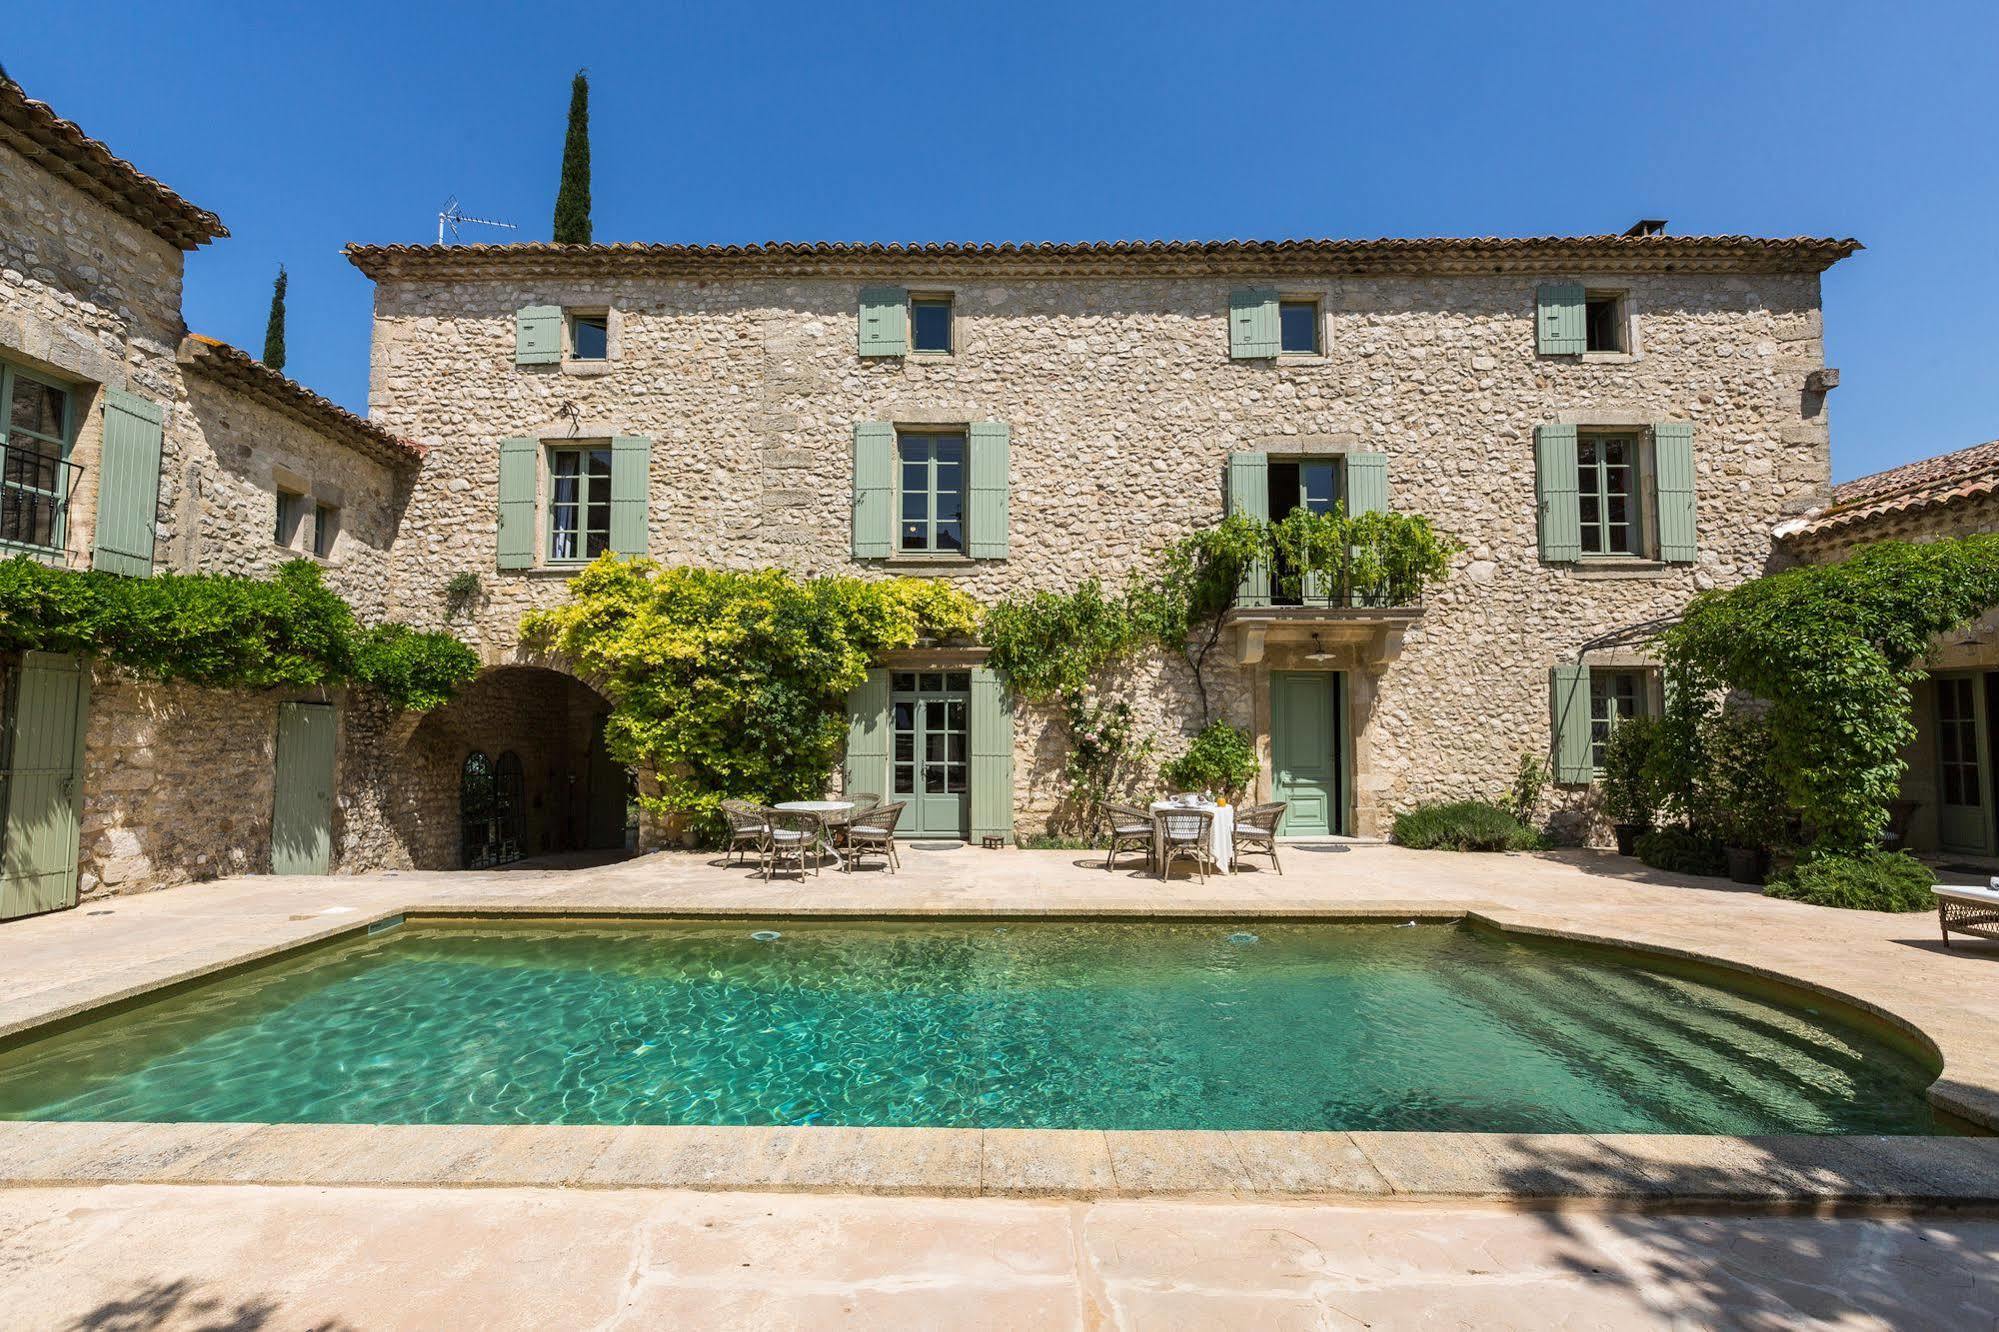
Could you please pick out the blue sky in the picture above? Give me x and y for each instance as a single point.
(1030, 121)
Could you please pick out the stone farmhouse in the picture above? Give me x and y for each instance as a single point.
(1607, 423)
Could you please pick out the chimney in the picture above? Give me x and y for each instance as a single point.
(1648, 226)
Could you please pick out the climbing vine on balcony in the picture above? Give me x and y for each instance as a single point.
(1832, 649)
(226, 631)
(727, 684)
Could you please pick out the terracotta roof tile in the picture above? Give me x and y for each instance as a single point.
(238, 370)
(61, 148)
(1471, 254)
(1927, 483)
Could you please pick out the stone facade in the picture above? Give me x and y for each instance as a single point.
(1124, 405)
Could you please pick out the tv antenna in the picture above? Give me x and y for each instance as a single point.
(452, 216)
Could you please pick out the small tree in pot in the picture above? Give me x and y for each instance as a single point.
(1739, 794)
(1626, 785)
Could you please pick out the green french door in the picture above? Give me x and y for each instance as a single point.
(1306, 767)
(929, 751)
(44, 704)
(302, 801)
(1964, 785)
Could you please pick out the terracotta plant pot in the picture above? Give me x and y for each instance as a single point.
(1627, 836)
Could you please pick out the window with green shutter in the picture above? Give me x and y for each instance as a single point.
(1673, 466)
(128, 484)
(1561, 319)
(631, 483)
(579, 503)
(1255, 327)
(930, 493)
(991, 729)
(1609, 494)
(520, 471)
(1609, 514)
(1569, 705)
(990, 444)
(1249, 495)
(36, 475)
(874, 490)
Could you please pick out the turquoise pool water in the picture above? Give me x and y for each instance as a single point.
(1055, 1025)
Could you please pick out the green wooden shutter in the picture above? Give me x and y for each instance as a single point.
(1249, 495)
(1558, 319)
(884, 321)
(866, 764)
(538, 335)
(1568, 697)
(302, 801)
(41, 784)
(986, 533)
(1253, 328)
(1367, 483)
(874, 490)
(1673, 464)
(520, 466)
(631, 479)
(128, 485)
(992, 755)
(1561, 520)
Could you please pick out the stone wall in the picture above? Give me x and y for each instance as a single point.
(1124, 405)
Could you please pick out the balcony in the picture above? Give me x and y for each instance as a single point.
(1354, 600)
(35, 489)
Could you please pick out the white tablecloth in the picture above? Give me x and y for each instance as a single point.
(1221, 829)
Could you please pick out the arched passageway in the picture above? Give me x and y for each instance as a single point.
(513, 767)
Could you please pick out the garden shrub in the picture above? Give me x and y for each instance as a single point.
(1222, 759)
(1463, 825)
(727, 684)
(1870, 881)
(226, 631)
(1681, 851)
(1625, 782)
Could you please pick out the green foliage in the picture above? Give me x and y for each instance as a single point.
(572, 199)
(1369, 559)
(1222, 759)
(1107, 760)
(1625, 781)
(733, 685)
(225, 631)
(1679, 851)
(461, 592)
(1738, 795)
(1870, 881)
(1054, 841)
(1832, 648)
(1050, 644)
(274, 326)
(1463, 825)
(1530, 779)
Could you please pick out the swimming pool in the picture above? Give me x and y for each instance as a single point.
(974, 1024)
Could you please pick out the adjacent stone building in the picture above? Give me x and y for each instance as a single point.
(1608, 424)
(1947, 802)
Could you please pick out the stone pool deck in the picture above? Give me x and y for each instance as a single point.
(787, 1227)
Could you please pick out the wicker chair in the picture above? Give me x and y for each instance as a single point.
(865, 803)
(790, 834)
(874, 834)
(746, 830)
(1130, 827)
(1256, 833)
(1187, 838)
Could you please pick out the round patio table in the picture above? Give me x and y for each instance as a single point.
(1221, 832)
(824, 810)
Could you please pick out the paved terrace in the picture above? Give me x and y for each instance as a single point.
(184, 1223)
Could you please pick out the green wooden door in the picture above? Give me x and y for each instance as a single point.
(46, 704)
(302, 809)
(1305, 750)
(609, 783)
(930, 751)
(1964, 786)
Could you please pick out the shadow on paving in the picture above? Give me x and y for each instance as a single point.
(185, 1304)
(1721, 1270)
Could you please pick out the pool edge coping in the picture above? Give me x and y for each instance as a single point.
(1779, 1173)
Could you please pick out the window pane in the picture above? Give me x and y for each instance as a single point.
(903, 681)
(915, 505)
(915, 537)
(930, 326)
(950, 504)
(955, 714)
(590, 338)
(905, 747)
(1318, 486)
(950, 448)
(905, 716)
(915, 448)
(1298, 326)
(950, 536)
(932, 682)
(958, 680)
(954, 779)
(37, 407)
(905, 779)
(933, 779)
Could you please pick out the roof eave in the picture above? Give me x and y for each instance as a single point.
(236, 369)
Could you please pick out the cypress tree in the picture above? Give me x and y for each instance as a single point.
(572, 201)
(274, 327)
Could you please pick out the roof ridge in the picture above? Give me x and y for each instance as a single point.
(236, 368)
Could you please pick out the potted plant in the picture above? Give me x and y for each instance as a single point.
(1624, 783)
(1742, 801)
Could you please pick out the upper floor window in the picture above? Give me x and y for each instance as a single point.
(290, 517)
(1605, 327)
(325, 527)
(579, 502)
(589, 337)
(1609, 501)
(35, 471)
(1298, 327)
(930, 324)
(932, 468)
